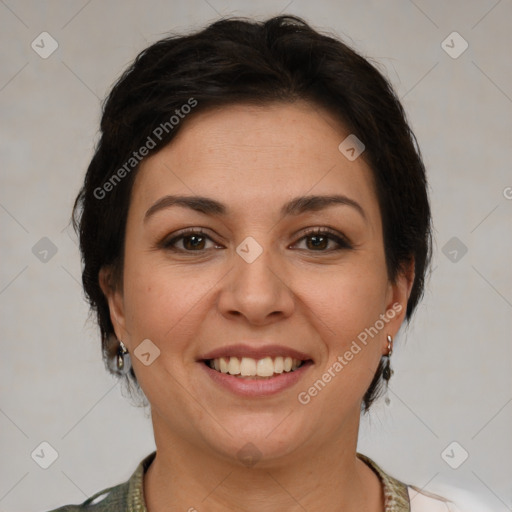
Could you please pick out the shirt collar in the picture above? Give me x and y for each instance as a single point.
(396, 497)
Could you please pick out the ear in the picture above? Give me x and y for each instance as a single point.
(398, 295)
(114, 297)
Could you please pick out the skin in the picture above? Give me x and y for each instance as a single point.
(316, 300)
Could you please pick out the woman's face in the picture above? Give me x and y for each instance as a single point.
(255, 283)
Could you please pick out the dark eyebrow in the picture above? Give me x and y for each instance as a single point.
(198, 203)
(296, 206)
(303, 204)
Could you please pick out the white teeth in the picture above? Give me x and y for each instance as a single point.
(278, 364)
(249, 367)
(223, 363)
(234, 366)
(265, 367)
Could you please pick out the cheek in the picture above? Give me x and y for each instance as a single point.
(162, 301)
(347, 300)
(346, 306)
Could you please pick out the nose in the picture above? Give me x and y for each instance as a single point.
(257, 291)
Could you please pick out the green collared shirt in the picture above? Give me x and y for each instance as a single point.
(129, 496)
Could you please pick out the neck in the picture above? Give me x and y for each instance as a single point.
(185, 478)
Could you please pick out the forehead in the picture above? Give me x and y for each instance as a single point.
(256, 155)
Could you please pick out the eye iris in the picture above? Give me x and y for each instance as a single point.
(323, 241)
(195, 244)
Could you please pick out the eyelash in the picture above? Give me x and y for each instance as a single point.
(330, 234)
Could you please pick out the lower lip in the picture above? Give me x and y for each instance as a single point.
(257, 387)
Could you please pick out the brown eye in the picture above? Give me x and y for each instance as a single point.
(191, 241)
(318, 241)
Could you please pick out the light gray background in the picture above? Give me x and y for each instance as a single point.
(453, 367)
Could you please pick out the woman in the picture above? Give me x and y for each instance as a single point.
(255, 228)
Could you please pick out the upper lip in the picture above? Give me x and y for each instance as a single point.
(260, 352)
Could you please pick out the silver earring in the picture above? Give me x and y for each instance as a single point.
(388, 372)
(123, 360)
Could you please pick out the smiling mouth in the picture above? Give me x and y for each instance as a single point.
(249, 368)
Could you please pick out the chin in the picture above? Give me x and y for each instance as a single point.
(258, 440)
